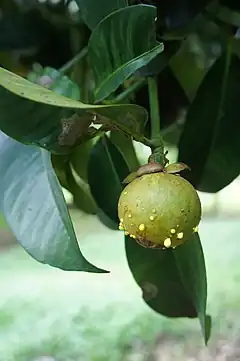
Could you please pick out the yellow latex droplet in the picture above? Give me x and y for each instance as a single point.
(121, 227)
(126, 233)
(129, 216)
(173, 231)
(154, 210)
(195, 229)
(180, 235)
(167, 243)
(121, 220)
(151, 218)
(141, 227)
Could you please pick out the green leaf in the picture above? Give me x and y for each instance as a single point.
(75, 184)
(196, 55)
(106, 171)
(32, 202)
(33, 114)
(93, 11)
(173, 282)
(81, 192)
(116, 50)
(209, 143)
(80, 157)
(125, 146)
(56, 81)
(160, 62)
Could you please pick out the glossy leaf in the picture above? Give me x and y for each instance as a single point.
(209, 142)
(93, 11)
(106, 171)
(32, 202)
(173, 282)
(33, 114)
(116, 50)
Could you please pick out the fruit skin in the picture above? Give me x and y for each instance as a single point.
(159, 210)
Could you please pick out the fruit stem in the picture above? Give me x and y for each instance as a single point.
(79, 56)
(122, 97)
(157, 146)
(154, 107)
(131, 89)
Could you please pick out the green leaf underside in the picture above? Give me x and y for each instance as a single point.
(122, 43)
(32, 113)
(106, 171)
(93, 11)
(34, 207)
(173, 281)
(212, 120)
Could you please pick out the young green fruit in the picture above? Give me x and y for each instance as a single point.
(159, 210)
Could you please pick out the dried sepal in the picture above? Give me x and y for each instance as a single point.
(176, 168)
(149, 168)
(130, 178)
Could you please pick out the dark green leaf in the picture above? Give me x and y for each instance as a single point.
(33, 114)
(197, 54)
(125, 146)
(80, 190)
(60, 165)
(209, 142)
(34, 207)
(79, 159)
(173, 281)
(116, 50)
(74, 183)
(106, 171)
(159, 63)
(93, 11)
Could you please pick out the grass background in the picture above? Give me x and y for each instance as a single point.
(76, 316)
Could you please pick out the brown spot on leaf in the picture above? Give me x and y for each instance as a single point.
(73, 128)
